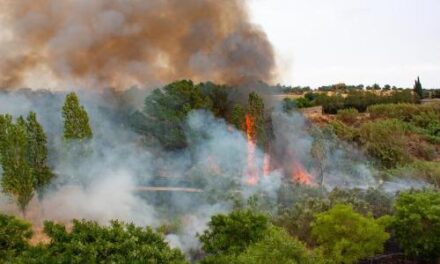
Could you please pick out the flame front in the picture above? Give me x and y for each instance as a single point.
(300, 175)
(251, 170)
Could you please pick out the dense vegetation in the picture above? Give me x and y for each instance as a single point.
(305, 224)
(345, 232)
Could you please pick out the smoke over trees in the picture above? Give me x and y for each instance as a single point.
(123, 43)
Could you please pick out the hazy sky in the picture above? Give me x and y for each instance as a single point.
(322, 42)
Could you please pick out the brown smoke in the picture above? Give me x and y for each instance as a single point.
(120, 43)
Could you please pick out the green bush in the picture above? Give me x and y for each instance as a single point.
(343, 131)
(88, 242)
(403, 112)
(348, 115)
(385, 140)
(345, 236)
(278, 247)
(417, 223)
(14, 234)
(233, 233)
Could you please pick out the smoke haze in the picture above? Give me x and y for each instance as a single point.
(120, 43)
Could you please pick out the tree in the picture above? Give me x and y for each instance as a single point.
(418, 88)
(319, 153)
(417, 223)
(36, 153)
(18, 178)
(277, 246)
(165, 111)
(13, 236)
(345, 236)
(238, 117)
(88, 242)
(76, 119)
(233, 233)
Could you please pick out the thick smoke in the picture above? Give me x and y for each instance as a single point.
(113, 176)
(121, 43)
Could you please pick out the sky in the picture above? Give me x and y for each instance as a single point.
(321, 42)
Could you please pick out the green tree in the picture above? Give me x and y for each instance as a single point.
(88, 242)
(345, 236)
(277, 246)
(165, 111)
(76, 119)
(238, 117)
(13, 236)
(233, 233)
(418, 88)
(37, 152)
(18, 178)
(417, 223)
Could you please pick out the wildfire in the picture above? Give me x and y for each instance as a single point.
(266, 165)
(300, 175)
(251, 170)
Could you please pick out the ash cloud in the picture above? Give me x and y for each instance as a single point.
(114, 43)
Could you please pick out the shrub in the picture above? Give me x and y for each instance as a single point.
(385, 140)
(119, 243)
(343, 131)
(14, 234)
(417, 223)
(345, 236)
(348, 115)
(278, 247)
(233, 233)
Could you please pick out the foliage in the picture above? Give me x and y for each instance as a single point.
(298, 218)
(417, 223)
(301, 102)
(166, 109)
(346, 236)
(76, 119)
(361, 100)
(428, 171)
(278, 247)
(343, 131)
(13, 236)
(37, 152)
(119, 243)
(238, 117)
(233, 233)
(418, 88)
(256, 111)
(18, 179)
(348, 115)
(385, 140)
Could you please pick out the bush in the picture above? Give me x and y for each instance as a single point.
(278, 247)
(14, 234)
(345, 236)
(297, 219)
(348, 115)
(343, 131)
(233, 233)
(385, 140)
(417, 223)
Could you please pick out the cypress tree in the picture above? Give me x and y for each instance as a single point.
(36, 153)
(76, 119)
(418, 88)
(18, 179)
(256, 111)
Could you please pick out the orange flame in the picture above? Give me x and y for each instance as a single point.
(300, 175)
(251, 171)
(266, 165)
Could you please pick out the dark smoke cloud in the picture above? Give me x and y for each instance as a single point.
(120, 43)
